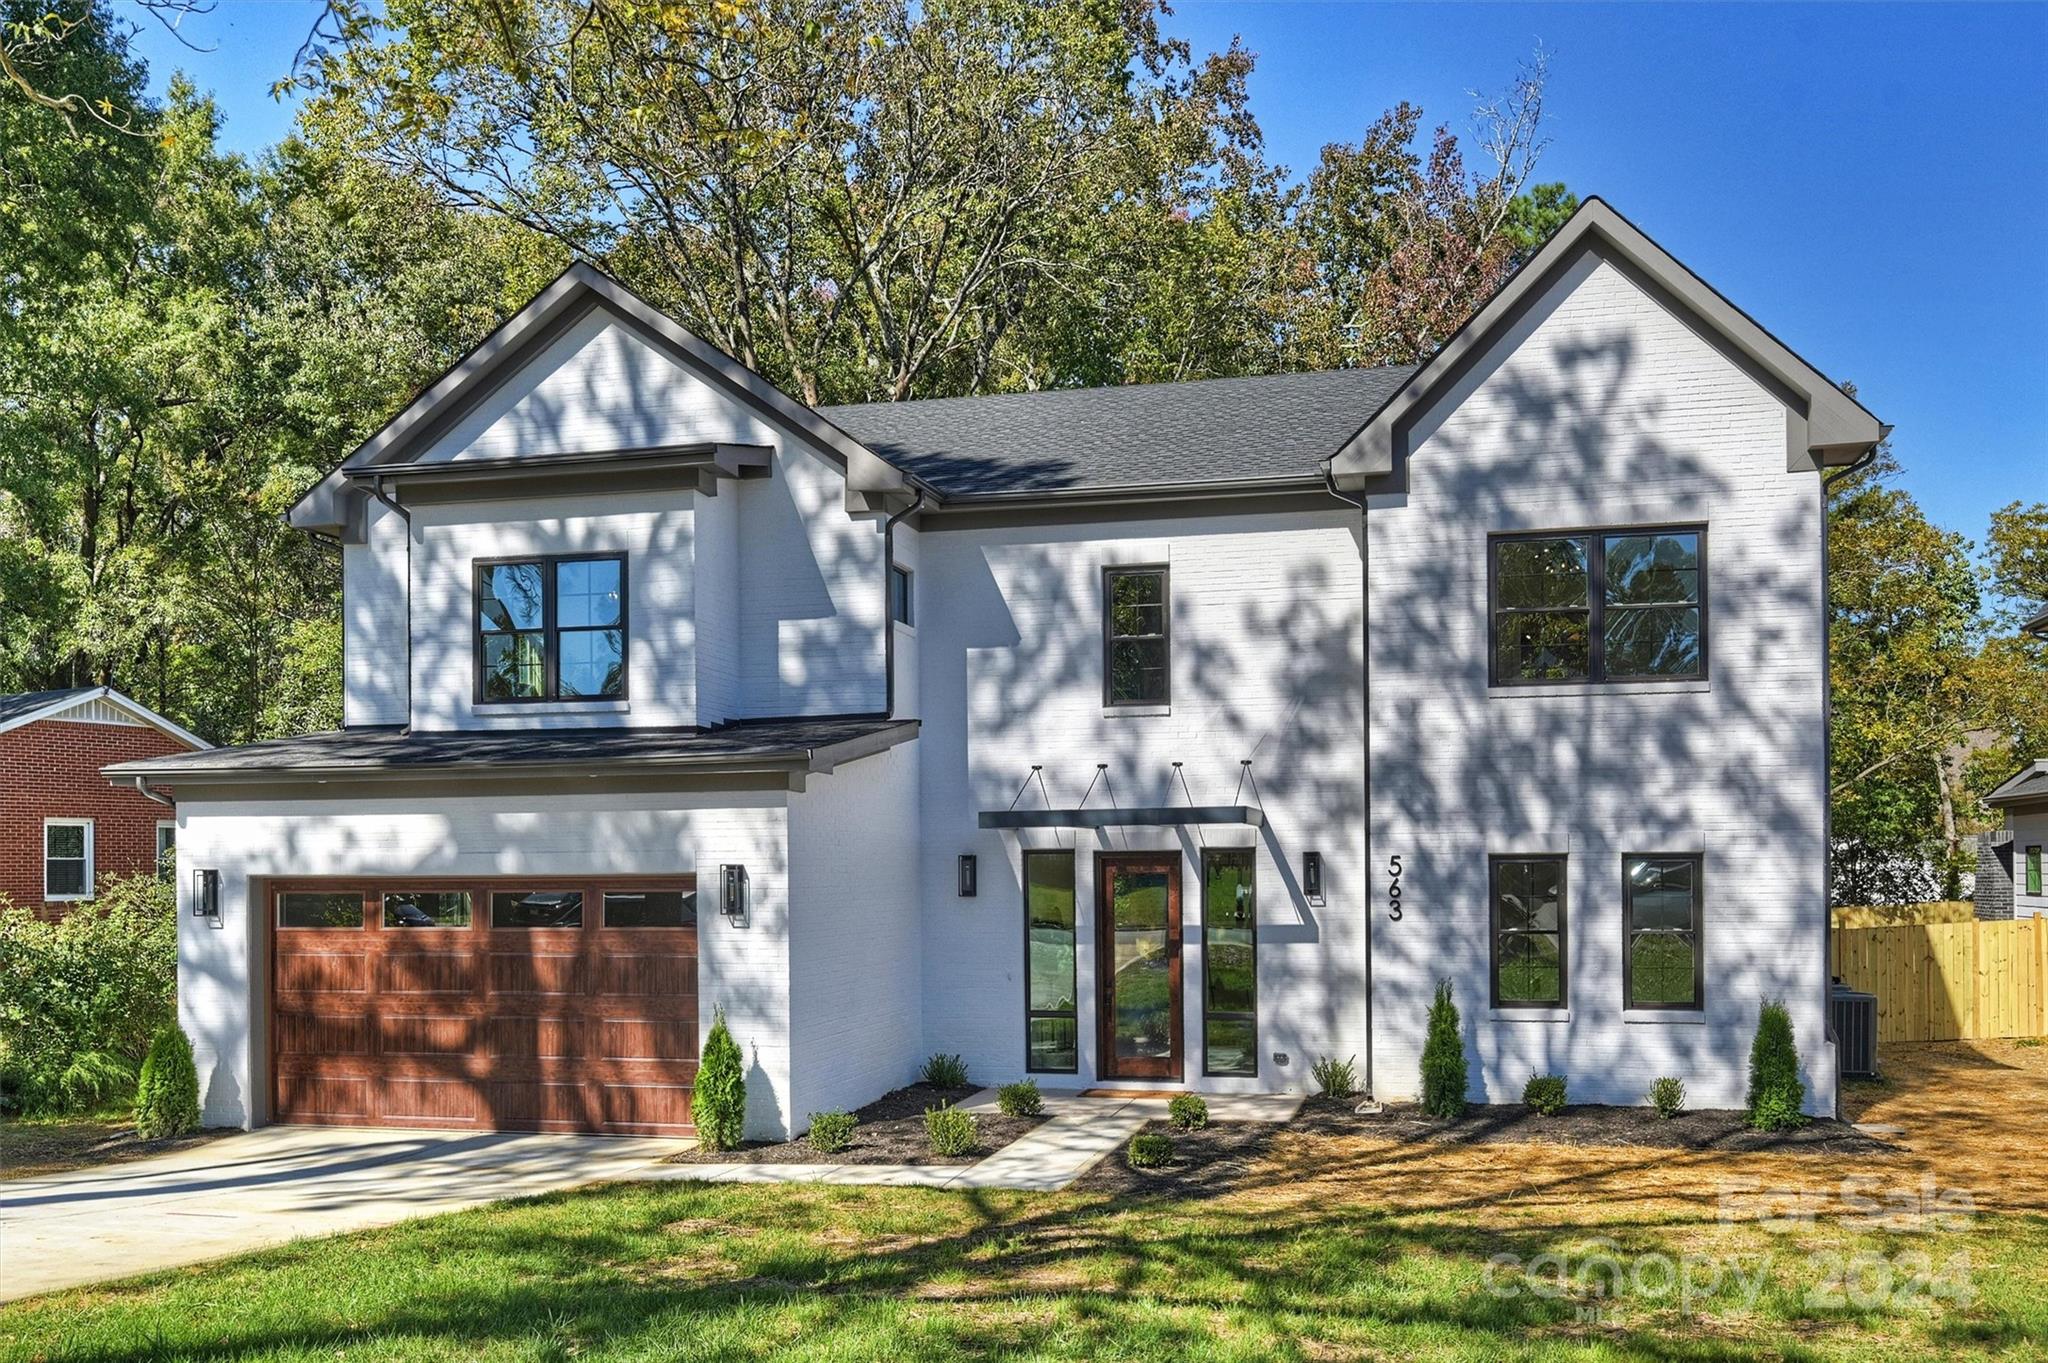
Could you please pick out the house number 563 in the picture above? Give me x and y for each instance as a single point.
(1394, 887)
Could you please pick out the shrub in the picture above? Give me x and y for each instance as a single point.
(167, 1095)
(1775, 1093)
(944, 1071)
(81, 999)
(949, 1131)
(1667, 1095)
(1443, 1059)
(1335, 1078)
(1188, 1111)
(1020, 1099)
(1150, 1150)
(719, 1102)
(831, 1132)
(1544, 1094)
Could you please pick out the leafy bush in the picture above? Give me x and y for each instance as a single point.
(1544, 1094)
(1775, 1093)
(719, 1102)
(1335, 1078)
(949, 1131)
(1443, 1059)
(80, 999)
(944, 1071)
(1188, 1111)
(1020, 1099)
(1667, 1095)
(1150, 1150)
(167, 1096)
(831, 1132)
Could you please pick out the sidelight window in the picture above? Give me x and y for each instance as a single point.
(1051, 1024)
(1230, 1029)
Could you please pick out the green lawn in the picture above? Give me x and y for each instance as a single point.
(702, 1273)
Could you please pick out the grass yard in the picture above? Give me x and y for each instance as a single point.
(1331, 1248)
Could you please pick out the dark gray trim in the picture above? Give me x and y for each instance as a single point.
(1110, 573)
(1494, 862)
(550, 630)
(1150, 816)
(1838, 428)
(1100, 506)
(697, 468)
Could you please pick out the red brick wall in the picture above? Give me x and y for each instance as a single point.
(51, 770)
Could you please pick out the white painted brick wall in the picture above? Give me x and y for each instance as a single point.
(373, 646)
(856, 1017)
(1610, 412)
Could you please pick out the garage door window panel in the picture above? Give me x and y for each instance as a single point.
(650, 909)
(537, 909)
(320, 909)
(426, 908)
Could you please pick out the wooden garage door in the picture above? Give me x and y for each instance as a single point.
(562, 1004)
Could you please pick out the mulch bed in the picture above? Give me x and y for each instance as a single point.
(891, 1131)
(30, 1149)
(1592, 1124)
(1206, 1163)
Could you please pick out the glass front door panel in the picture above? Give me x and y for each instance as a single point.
(1142, 953)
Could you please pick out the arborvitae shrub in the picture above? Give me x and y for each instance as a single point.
(167, 1095)
(1443, 1059)
(719, 1103)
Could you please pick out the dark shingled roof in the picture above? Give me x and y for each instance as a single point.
(2027, 786)
(1212, 430)
(814, 743)
(28, 702)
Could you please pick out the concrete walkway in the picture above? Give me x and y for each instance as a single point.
(1081, 1132)
(277, 1184)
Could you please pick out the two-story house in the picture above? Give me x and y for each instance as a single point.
(1164, 736)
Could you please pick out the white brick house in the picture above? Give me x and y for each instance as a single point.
(666, 692)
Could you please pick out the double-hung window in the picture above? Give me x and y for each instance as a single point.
(1529, 954)
(1661, 910)
(1136, 642)
(67, 859)
(551, 628)
(1051, 1022)
(1599, 606)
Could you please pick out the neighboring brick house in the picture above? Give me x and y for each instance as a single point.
(63, 827)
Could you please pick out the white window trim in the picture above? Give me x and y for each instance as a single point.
(161, 825)
(48, 824)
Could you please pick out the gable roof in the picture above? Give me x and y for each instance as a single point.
(1218, 431)
(2037, 623)
(334, 505)
(28, 707)
(2027, 786)
(1825, 426)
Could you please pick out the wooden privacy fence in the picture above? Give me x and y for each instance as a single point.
(1950, 981)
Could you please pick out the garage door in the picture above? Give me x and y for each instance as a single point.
(531, 1005)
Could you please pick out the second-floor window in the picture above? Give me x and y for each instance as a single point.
(1136, 665)
(1599, 606)
(551, 629)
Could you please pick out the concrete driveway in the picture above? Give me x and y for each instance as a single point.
(277, 1184)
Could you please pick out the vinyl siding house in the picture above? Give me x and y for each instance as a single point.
(1156, 737)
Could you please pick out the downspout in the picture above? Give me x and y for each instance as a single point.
(143, 787)
(1827, 754)
(888, 616)
(377, 491)
(1365, 725)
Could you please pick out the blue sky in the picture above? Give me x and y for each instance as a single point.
(1869, 181)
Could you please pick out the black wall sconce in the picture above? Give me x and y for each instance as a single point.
(732, 894)
(969, 876)
(206, 896)
(1312, 877)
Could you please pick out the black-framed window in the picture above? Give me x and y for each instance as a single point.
(901, 601)
(1598, 605)
(551, 628)
(1051, 1024)
(2033, 870)
(1137, 640)
(1531, 957)
(1230, 975)
(1662, 907)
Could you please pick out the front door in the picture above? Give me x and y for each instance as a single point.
(1138, 965)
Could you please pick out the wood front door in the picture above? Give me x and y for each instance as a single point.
(1137, 965)
(564, 1003)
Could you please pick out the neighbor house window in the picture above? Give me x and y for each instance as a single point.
(166, 848)
(899, 595)
(1051, 1029)
(1529, 953)
(537, 909)
(1230, 982)
(551, 629)
(1136, 665)
(426, 909)
(67, 859)
(2033, 870)
(1599, 605)
(1661, 908)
